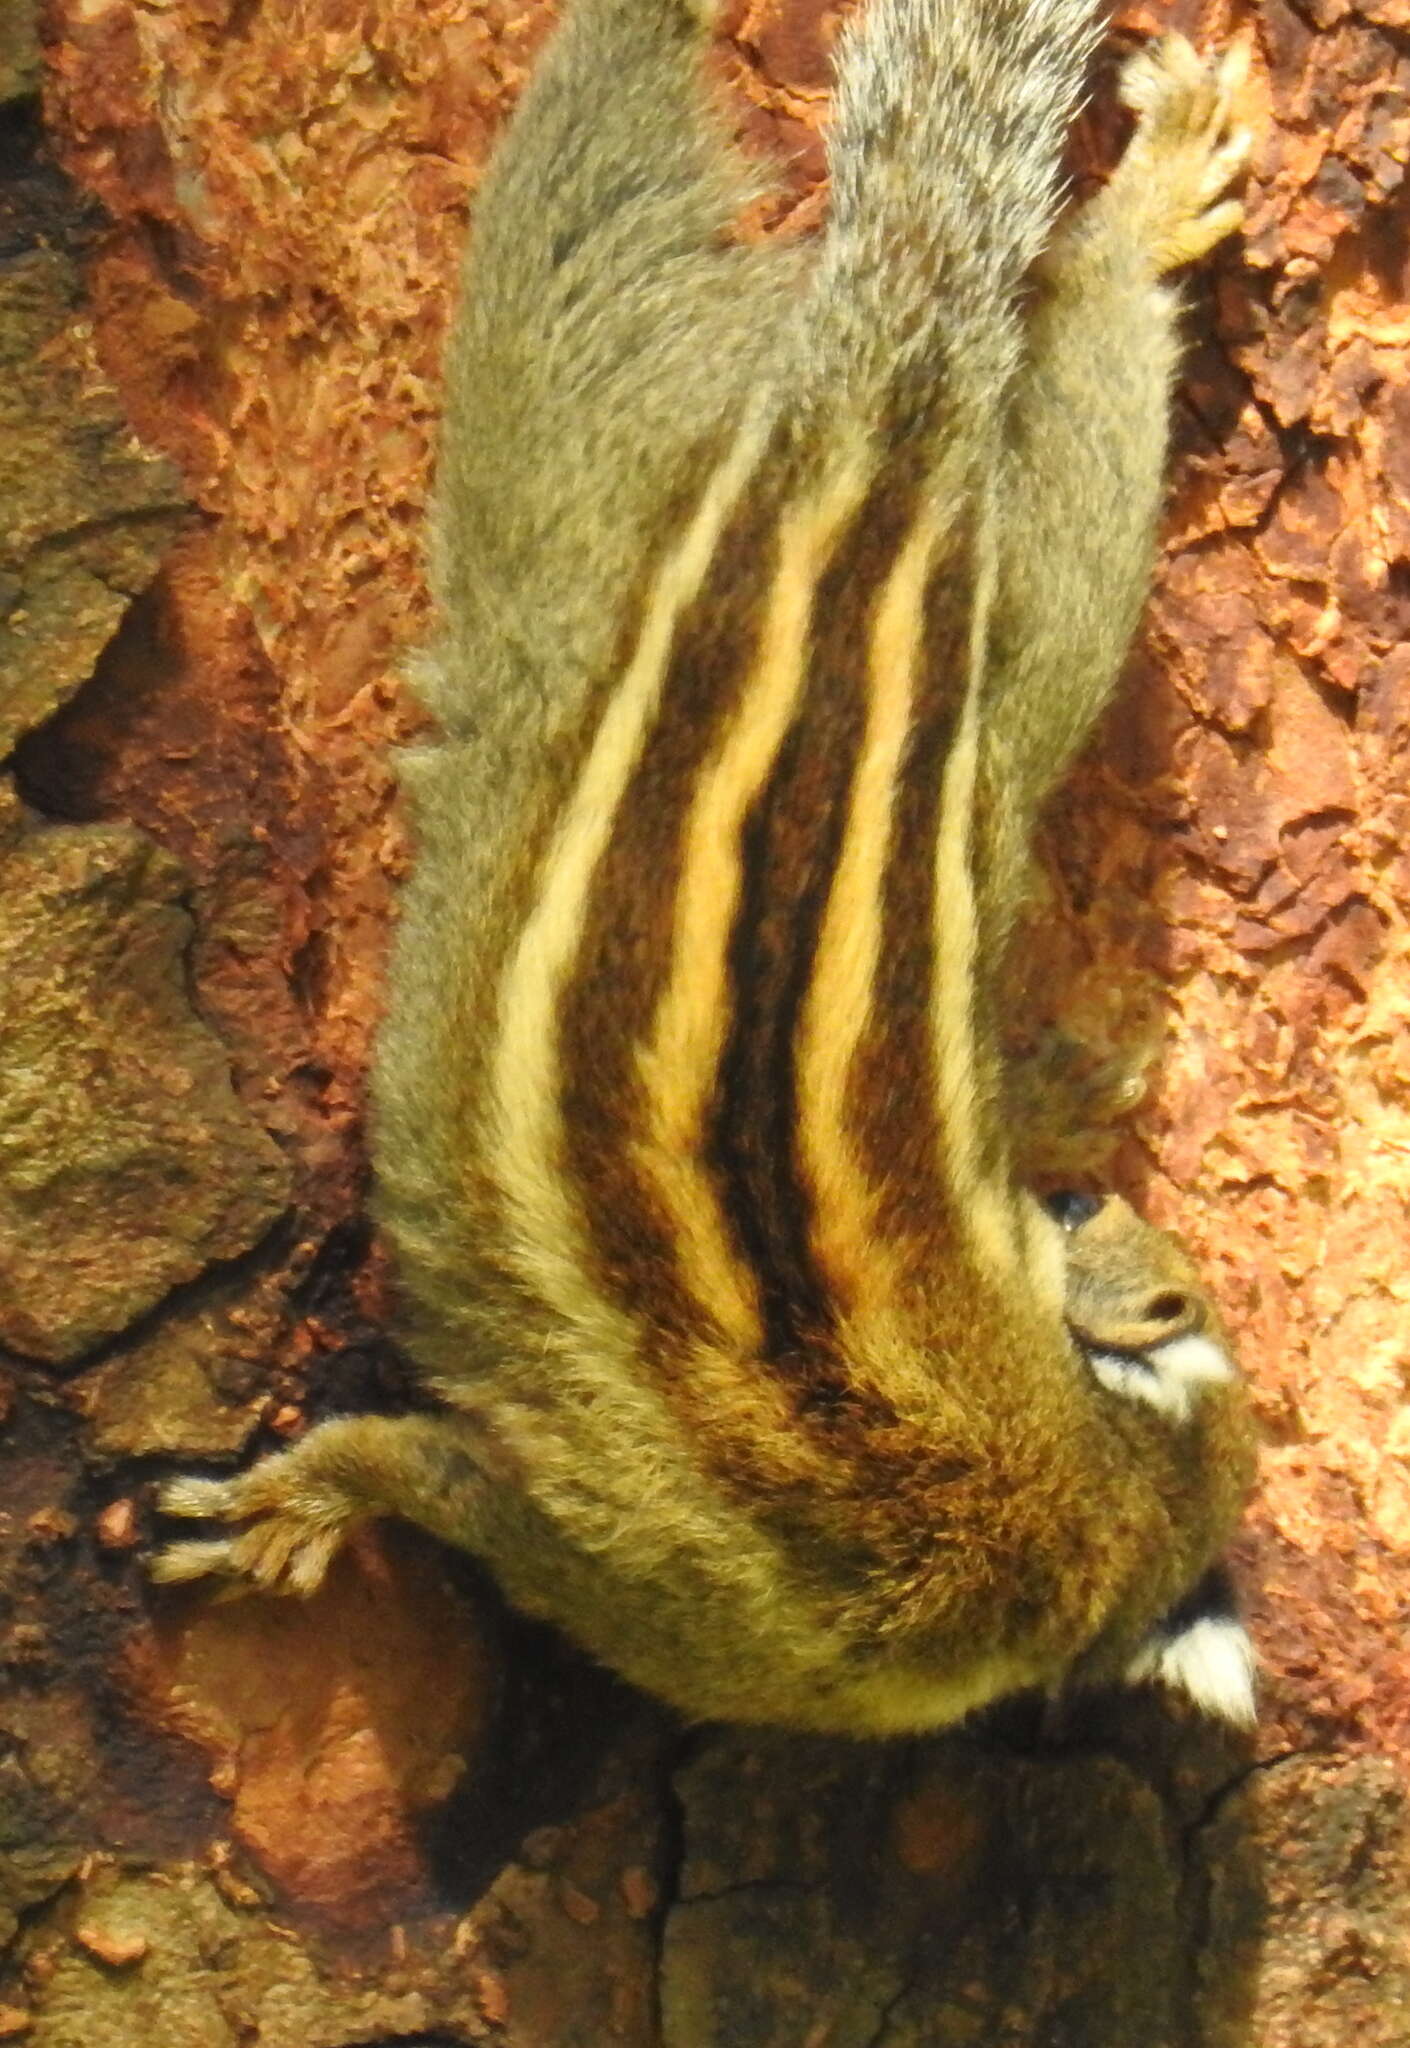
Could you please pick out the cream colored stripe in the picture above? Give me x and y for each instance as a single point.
(841, 994)
(679, 1068)
(982, 1209)
(525, 1149)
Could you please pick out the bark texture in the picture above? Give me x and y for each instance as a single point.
(401, 1815)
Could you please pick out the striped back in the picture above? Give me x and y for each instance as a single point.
(735, 1098)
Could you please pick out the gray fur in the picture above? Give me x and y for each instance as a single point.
(1023, 1502)
(944, 148)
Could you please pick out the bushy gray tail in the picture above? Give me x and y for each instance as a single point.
(945, 144)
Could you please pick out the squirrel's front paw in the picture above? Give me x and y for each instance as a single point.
(293, 1530)
(1187, 149)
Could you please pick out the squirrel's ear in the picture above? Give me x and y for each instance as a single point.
(1202, 1650)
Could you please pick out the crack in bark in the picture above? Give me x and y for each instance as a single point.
(671, 1867)
(888, 2012)
(152, 513)
(1221, 1794)
(1195, 1893)
(751, 1887)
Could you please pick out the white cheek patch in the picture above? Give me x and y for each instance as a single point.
(1211, 1662)
(1168, 1376)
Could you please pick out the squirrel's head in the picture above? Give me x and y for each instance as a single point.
(1152, 1339)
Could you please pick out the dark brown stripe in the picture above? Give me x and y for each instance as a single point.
(894, 1096)
(436, 1257)
(471, 1016)
(845, 1482)
(609, 1007)
(791, 852)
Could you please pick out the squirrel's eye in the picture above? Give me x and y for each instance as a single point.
(1070, 1209)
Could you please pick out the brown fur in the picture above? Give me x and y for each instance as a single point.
(772, 607)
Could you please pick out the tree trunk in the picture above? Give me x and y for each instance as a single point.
(401, 1813)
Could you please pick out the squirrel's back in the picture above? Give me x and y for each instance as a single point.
(777, 586)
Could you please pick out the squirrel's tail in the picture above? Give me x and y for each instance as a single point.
(945, 147)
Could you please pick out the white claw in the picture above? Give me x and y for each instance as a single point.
(1234, 70)
(180, 1562)
(196, 1499)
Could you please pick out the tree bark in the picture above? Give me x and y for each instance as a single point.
(401, 1813)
